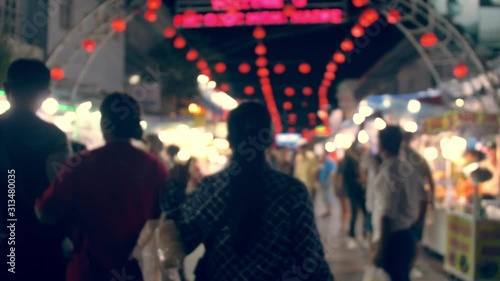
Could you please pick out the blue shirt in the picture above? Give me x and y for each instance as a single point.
(327, 169)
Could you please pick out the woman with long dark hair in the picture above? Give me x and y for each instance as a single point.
(255, 223)
(109, 193)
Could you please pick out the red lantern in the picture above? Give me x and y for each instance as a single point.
(338, 57)
(461, 70)
(312, 122)
(329, 76)
(179, 42)
(357, 31)
(57, 73)
(178, 20)
(428, 39)
(289, 10)
(169, 32)
(259, 33)
(267, 88)
(260, 49)
(248, 90)
(220, 67)
(202, 64)
(150, 16)
(244, 68)
(331, 67)
(265, 81)
(292, 130)
(261, 62)
(326, 83)
(206, 71)
(304, 68)
(311, 115)
(360, 3)
(154, 4)
(119, 25)
(88, 45)
(307, 91)
(393, 16)
(192, 55)
(368, 17)
(287, 105)
(289, 91)
(262, 72)
(299, 3)
(279, 68)
(224, 87)
(347, 45)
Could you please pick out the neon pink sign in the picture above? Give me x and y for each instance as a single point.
(313, 16)
(225, 5)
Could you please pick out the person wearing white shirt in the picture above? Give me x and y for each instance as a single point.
(490, 188)
(398, 206)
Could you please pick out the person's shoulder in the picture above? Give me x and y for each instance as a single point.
(50, 130)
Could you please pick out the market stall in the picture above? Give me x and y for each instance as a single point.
(463, 227)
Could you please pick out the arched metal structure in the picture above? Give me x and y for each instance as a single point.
(419, 17)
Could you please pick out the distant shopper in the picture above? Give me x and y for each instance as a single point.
(109, 195)
(172, 151)
(398, 207)
(490, 189)
(31, 153)
(305, 169)
(154, 144)
(326, 176)
(256, 223)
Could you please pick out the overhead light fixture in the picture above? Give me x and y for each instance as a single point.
(414, 106)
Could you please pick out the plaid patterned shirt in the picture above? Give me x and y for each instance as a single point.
(288, 247)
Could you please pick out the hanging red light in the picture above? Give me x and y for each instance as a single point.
(179, 42)
(329, 76)
(220, 67)
(169, 32)
(153, 4)
(88, 45)
(224, 87)
(292, 130)
(393, 16)
(119, 25)
(57, 73)
(202, 64)
(461, 70)
(259, 33)
(338, 57)
(287, 105)
(261, 62)
(307, 91)
(289, 91)
(249, 90)
(304, 68)
(244, 68)
(150, 16)
(357, 31)
(265, 81)
(428, 39)
(369, 17)
(331, 67)
(260, 49)
(360, 3)
(279, 68)
(206, 71)
(326, 83)
(262, 72)
(347, 45)
(192, 55)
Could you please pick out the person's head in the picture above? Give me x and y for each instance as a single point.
(154, 144)
(27, 84)
(120, 118)
(172, 151)
(389, 140)
(249, 127)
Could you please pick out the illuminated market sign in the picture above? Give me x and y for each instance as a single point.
(258, 12)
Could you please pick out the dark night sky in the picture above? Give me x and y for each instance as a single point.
(292, 45)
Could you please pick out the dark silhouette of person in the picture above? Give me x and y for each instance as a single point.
(110, 193)
(256, 223)
(32, 151)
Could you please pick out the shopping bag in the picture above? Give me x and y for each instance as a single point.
(170, 249)
(373, 273)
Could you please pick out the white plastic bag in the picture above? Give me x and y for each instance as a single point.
(373, 273)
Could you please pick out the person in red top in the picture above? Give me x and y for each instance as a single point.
(108, 194)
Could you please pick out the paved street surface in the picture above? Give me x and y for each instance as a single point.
(346, 264)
